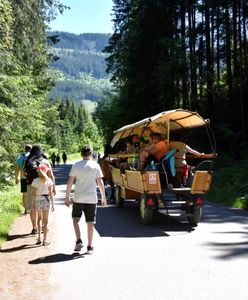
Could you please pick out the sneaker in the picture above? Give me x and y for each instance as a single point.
(34, 231)
(78, 246)
(90, 249)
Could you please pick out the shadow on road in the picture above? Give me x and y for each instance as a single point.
(55, 258)
(18, 248)
(61, 173)
(125, 222)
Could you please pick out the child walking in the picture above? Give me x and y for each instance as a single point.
(42, 195)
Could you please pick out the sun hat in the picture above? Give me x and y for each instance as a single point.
(44, 168)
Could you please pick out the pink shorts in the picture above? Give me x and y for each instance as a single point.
(184, 170)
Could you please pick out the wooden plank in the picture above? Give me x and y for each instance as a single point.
(201, 182)
(116, 176)
(134, 181)
(151, 182)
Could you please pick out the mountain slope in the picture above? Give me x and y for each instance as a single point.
(80, 69)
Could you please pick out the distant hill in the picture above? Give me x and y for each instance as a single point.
(81, 68)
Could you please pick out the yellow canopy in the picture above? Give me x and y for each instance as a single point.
(163, 123)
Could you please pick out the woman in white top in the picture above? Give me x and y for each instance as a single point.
(42, 194)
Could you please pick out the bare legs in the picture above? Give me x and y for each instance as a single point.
(90, 231)
(90, 227)
(33, 218)
(24, 202)
(77, 228)
(42, 220)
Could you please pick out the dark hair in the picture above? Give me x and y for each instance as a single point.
(86, 150)
(35, 153)
(27, 147)
(156, 135)
(130, 140)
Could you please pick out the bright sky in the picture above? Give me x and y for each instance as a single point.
(85, 16)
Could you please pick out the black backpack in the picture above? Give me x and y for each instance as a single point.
(31, 170)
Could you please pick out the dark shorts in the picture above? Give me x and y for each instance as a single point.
(88, 209)
(23, 185)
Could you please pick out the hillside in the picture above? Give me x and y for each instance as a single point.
(81, 69)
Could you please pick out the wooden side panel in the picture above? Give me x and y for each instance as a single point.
(201, 182)
(117, 176)
(151, 181)
(134, 181)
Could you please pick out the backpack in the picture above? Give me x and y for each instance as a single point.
(21, 166)
(31, 170)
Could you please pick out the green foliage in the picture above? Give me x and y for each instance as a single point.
(24, 82)
(230, 185)
(6, 25)
(10, 208)
(71, 127)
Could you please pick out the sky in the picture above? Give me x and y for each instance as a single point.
(85, 16)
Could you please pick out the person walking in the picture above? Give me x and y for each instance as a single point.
(88, 175)
(58, 159)
(53, 159)
(64, 157)
(35, 158)
(42, 195)
(19, 173)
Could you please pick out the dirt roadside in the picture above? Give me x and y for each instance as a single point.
(20, 278)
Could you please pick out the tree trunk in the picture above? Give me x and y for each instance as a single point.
(210, 105)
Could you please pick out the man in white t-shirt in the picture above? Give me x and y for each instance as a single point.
(88, 175)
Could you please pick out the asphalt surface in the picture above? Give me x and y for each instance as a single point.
(168, 260)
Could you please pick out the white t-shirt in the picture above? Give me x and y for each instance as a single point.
(180, 154)
(42, 187)
(85, 172)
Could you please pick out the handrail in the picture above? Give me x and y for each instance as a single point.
(123, 155)
(210, 155)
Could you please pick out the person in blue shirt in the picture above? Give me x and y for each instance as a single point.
(19, 175)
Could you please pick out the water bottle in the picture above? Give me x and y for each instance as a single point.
(153, 166)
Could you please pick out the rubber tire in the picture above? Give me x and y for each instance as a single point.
(146, 213)
(197, 214)
(119, 201)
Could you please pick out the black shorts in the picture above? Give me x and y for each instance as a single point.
(88, 209)
(23, 185)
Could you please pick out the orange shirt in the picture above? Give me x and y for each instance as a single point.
(160, 149)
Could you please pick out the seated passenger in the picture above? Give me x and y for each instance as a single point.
(181, 165)
(154, 151)
(136, 142)
(105, 163)
(124, 164)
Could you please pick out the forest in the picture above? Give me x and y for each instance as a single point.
(79, 66)
(190, 54)
(184, 54)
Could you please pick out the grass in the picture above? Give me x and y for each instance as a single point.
(75, 156)
(10, 209)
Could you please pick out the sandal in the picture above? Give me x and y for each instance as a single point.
(38, 242)
(46, 243)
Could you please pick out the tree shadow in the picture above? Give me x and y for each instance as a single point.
(56, 258)
(230, 250)
(216, 213)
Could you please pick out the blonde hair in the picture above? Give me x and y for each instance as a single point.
(43, 176)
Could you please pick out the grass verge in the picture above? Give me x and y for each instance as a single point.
(10, 209)
(230, 184)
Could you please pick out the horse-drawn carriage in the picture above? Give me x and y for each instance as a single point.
(157, 189)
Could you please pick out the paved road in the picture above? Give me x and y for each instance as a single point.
(167, 260)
